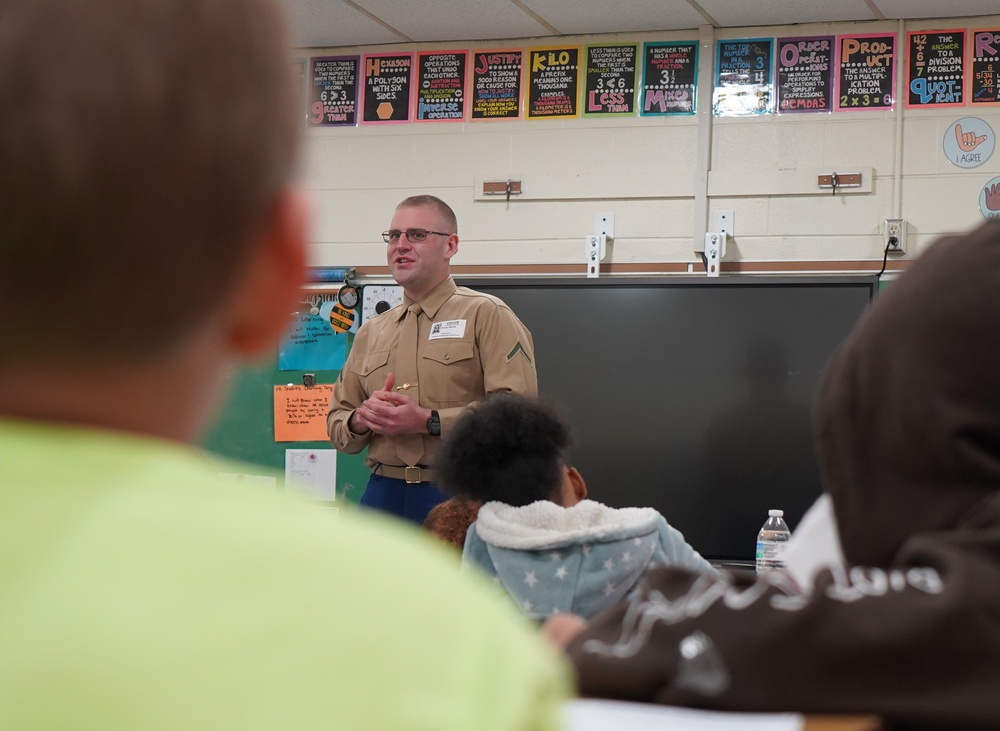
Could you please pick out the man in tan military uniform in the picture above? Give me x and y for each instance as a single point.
(414, 368)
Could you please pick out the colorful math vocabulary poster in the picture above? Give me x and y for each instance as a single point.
(388, 82)
(935, 68)
(669, 78)
(985, 62)
(743, 83)
(865, 72)
(609, 87)
(333, 91)
(805, 74)
(496, 84)
(440, 95)
(553, 83)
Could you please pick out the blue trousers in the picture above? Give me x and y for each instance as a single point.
(411, 501)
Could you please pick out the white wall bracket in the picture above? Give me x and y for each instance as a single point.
(714, 245)
(596, 245)
(595, 249)
(715, 249)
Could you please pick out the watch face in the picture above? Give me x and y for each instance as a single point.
(377, 298)
(348, 296)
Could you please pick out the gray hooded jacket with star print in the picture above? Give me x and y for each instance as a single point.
(580, 559)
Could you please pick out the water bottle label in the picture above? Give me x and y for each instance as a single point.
(770, 555)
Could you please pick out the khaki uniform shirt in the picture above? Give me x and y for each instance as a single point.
(484, 349)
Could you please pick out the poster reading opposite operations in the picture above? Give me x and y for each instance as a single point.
(669, 78)
(609, 87)
(440, 93)
(864, 71)
(805, 74)
(743, 83)
(333, 91)
(387, 88)
(935, 69)
(496, 84)
(985, 62)
(553, 82)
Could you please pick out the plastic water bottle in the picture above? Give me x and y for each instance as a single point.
(772, 542)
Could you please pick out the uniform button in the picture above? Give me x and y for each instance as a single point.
(447, 357)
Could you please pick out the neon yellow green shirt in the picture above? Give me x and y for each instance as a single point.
(139, 591)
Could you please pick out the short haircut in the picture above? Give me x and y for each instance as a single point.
(142, 145)
(509, 448)
(432, 201)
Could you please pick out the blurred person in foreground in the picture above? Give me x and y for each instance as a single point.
(151, 235)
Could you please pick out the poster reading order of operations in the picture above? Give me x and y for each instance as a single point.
(496, 84)
(864, 72)
(669, 77)
(333, 91)
(387, 88)
(935, 69)
(985, 63)
(440, 93)
(610, 82)
(743, 83)
(553, 82)
(805, 74)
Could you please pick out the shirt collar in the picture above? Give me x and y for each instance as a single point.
(432, 302)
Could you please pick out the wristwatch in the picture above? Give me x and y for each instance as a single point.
(434, 424)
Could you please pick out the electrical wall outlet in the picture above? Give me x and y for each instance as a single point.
(895, 235)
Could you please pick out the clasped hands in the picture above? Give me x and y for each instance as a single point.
(390, 412)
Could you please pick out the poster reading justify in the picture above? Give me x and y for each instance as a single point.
(496, 84)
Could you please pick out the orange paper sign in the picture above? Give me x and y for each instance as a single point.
(300, 413)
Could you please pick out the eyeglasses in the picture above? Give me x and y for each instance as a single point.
(413, 235)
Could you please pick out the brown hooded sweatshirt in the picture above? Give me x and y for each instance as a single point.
(908, 436)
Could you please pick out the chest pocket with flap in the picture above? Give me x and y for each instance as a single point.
(372, 371)
(451, 372)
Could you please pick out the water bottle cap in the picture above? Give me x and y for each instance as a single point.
(776, 513)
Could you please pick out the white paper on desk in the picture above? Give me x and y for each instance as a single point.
(586, 714)
(312, 472)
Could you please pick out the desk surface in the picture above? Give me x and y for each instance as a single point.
(843, 723)
(591, 714)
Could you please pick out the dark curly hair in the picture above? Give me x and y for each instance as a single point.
(508, 448)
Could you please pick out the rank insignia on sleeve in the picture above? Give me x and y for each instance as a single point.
(518, 348)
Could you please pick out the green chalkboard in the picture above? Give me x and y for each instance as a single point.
(244, 428)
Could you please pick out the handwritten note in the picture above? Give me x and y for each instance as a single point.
(300, 413)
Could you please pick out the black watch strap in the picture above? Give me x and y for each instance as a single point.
(434, 424)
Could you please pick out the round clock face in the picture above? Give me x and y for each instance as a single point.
(377, 298)
(348, 296)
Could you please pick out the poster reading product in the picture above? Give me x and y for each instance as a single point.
(496, 84)
(743, 83)
(388, 79)
(864, 71)
(669, 78)
(805, 74)
(440, 93)
(610, 84)
(935, 69)
(985, 62)
(333, 91)
(553, 82)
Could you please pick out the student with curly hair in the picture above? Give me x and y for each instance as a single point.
(537, 533)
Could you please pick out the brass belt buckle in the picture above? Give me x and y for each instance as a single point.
(411, 474)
